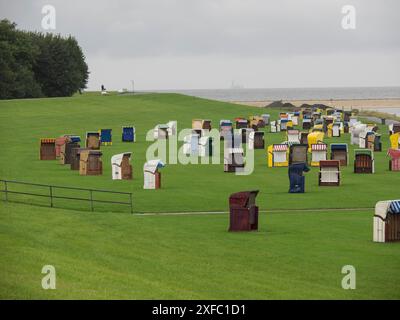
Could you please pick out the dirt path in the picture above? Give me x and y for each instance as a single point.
(261, 211)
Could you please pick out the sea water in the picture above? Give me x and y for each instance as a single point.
(336, 93)
(294, 93)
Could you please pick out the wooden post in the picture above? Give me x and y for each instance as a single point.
(51, 196)
(6, 189)
(130, 197)
(91, 199)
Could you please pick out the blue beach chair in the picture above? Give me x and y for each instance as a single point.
(106, 137)
(128, 134)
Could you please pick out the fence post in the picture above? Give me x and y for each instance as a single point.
(6, 189)
(91, 199)
(130, 197)
(51, 196)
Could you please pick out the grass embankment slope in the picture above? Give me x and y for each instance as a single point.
(185, 187)
(111, 255)
(123, 256)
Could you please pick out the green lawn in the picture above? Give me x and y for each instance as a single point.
(122, 256)
(185, 187)
(112, 254)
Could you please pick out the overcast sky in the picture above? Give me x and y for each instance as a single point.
(189, 44)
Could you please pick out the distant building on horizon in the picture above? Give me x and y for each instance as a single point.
(236, 85)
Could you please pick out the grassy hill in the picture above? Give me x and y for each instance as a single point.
(122, 256)
(185, 187)
(110, 254)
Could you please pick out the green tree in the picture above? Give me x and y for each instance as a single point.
(60, 68)
(17, 56)
(33, 64)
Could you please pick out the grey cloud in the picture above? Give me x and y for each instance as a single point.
(235, 39)
(144, 28)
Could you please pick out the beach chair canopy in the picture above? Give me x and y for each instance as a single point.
(394, 140)
(364, 151)
(61, 140)
(105, 135)
(206, 124)
(84, 154)
(197, 124)
(329, 164)
(395, 127)
(280, 148)
(293, 132)
(225, 122)
(92, 133)
(117, 159)
(160, 131)
(75, 139)
(153, 165)
(319, 147)
(71, 138)
(243, 199)
(394, 153)
(339, 147)
(241, 120)
(241, 123)
(315, 137)
(394, 207)
(48, 140)
(382, 208)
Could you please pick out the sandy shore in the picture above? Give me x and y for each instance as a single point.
(373, 104)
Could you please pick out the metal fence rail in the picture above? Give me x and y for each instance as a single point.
(51, 188)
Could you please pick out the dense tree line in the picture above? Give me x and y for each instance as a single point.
(35, 65)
